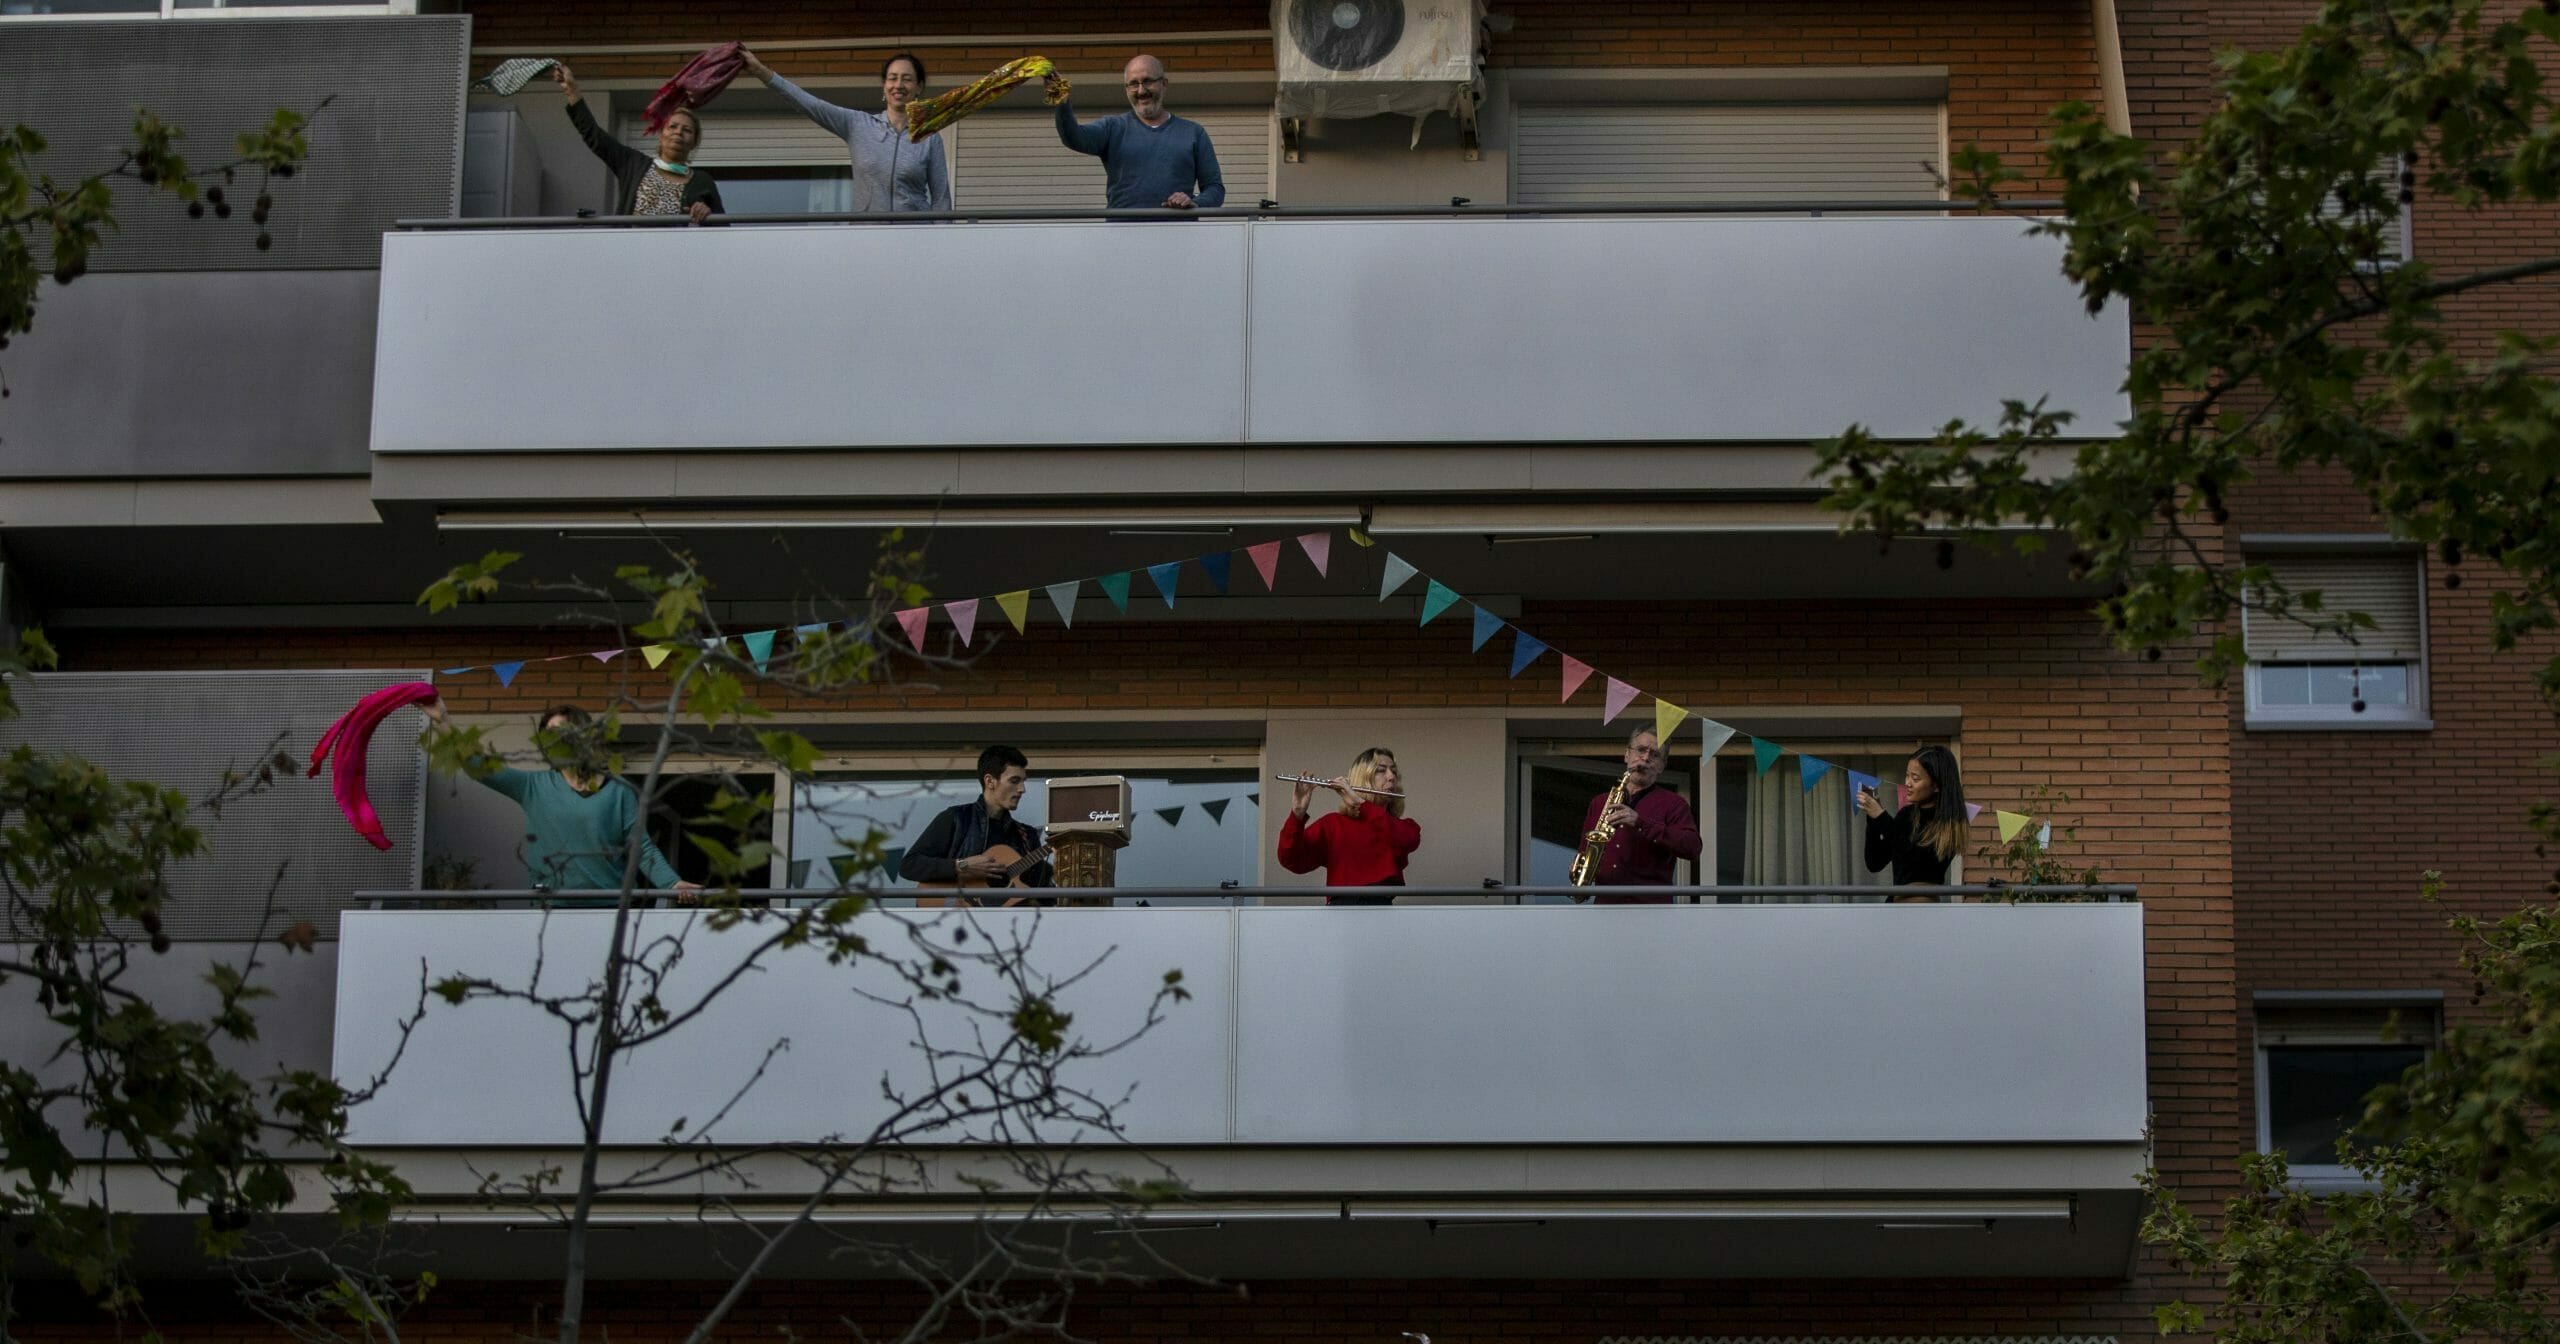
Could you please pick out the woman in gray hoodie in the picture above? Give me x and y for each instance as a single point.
(888, 173)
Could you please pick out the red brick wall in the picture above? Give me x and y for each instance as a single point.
(2009, 61)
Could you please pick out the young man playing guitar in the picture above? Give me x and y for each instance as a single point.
(978, 844)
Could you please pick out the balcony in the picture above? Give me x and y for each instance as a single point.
(1236, 330)
(1686, 1089)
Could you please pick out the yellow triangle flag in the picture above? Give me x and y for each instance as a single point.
(1666, 717)
(2011, 823)
(656, 653)
(1016, 607)
(1360, 538)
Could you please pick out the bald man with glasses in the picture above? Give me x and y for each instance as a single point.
(1150, 157)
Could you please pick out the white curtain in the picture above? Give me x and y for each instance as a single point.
(1799, 837)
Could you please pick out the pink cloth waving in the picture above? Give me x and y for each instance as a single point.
(700, 81)
(349, 739)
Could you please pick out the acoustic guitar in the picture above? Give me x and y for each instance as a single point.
(1015, 862)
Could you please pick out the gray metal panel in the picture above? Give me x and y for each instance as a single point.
(1598, 329)
(800, 359)
(1952, 1024)
(388, 147)
(1726, 152)
(182, 730)
(193, 373)
(1588, 329)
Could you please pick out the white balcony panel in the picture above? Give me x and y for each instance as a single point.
(1612, 329)
(790, 337)
(1512, 1025)
(1584, 329)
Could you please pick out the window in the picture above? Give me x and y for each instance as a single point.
(1726, 152)
(1772, 831)
(768, 163)
(2302, 678)
(1556, 788)
(689, 793)
(12, 9)
(1194, 828)
(2318, 1061)
(2392, 225)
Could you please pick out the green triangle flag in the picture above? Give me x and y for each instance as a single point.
(759, 645)
(1116, 587)
(1764, 753)
(1439, 597)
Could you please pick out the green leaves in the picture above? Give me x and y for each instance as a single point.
(475, 581)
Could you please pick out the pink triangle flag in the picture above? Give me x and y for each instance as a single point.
(1615, 701)
(964, 614)
(605, 655)
(1266, 562)
(1973, 811)
(913, 618)
(1319, 548)
(1576, 672)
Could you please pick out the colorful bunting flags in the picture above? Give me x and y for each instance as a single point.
(759, 646)
(1666, 719)
(2044, 836)
(1614, 699)
(1859, 781)
(964, 618)
(1973, 811)
(1361, 539)
(1063, 597)
(913, 618)
(1576, 672)
(656, 653)
(1486, 624)
(1437, 598)
(1717, 734)
(1319, 548)
(1172, 815)
(1764, 753)
(1525, 649)
(2010, 824)
(607, 655)
(809, 632)
(507, 671)
(1266, 562)
(1166, 577)
(1016, 606)
(1813, 768)
(1397, 571)
(1217, 809)
(1215, 564)
(1115, 587)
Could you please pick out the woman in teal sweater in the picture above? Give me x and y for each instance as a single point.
(579, 824)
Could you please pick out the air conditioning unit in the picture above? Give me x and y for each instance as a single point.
(1366, 58)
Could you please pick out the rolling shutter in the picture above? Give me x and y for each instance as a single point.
(2384, 587)
(750, 139)
(1726, 152)
(1013, 161)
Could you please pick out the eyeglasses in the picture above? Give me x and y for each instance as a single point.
(1146, 81)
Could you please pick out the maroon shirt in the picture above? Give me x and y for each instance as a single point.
(1642, 853)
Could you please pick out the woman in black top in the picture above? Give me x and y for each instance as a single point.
(666, 185)
(1922, 839)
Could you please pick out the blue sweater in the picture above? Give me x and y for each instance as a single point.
(1144, 164)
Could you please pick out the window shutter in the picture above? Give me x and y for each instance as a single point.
(2395, 227)
(2384, 587)
(753, 139)
(1727, 152)
(1013, 161)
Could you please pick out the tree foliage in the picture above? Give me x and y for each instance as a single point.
(2290, 341)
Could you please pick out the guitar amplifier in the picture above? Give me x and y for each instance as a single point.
(1089, 805)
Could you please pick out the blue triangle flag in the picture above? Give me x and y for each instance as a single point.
(1486, 624)
(1115, 587)
(454, 671)
(1166, 578)
(1859, 780)
(1525, 648)
(759, 645)
(1437, 598)
(810, 631)
(1813, 768)
(507, 672)
(1216, 562)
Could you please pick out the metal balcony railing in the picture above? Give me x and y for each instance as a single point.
(1490, 893)
(1266, 210)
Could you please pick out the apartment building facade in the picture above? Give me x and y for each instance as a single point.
(1788, 1110)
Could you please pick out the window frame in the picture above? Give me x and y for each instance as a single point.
(2382, 1005)
(2416, 715)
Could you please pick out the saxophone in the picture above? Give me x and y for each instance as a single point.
(1586, 862)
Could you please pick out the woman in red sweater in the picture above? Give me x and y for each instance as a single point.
(1366, 843)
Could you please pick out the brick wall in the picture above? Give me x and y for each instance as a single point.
(2009, 61)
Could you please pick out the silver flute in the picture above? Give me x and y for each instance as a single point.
(1326, 784)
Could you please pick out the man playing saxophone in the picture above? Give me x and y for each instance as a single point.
(1650, 829)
